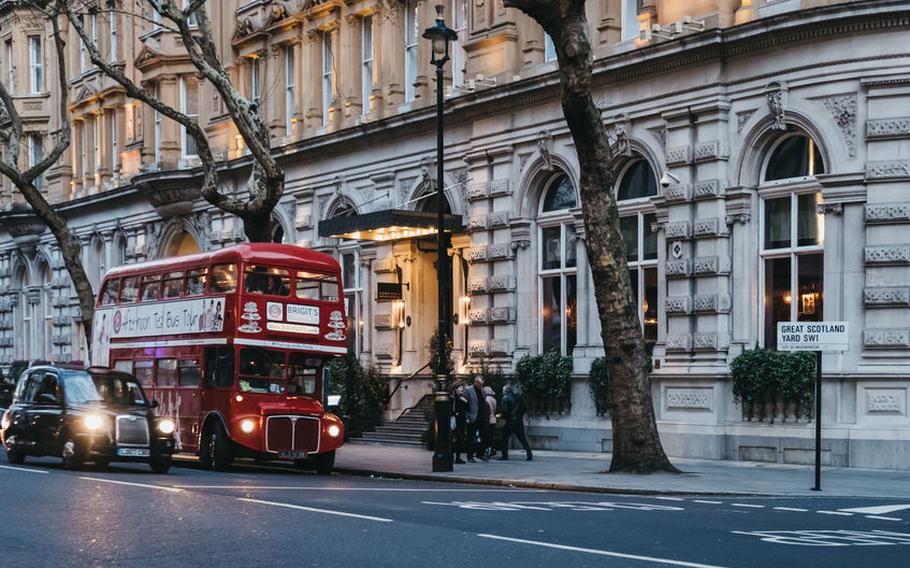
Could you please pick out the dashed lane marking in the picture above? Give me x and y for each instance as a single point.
(707, 502)
(880, 518)
(25, 469)
(794, 509)
(133, 484)
(598, 552)
(839, 513)
(315, 510)
(670, 498)
(747, 505)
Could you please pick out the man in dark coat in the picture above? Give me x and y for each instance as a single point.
(460, 412)
(478, 417)
(513, 410)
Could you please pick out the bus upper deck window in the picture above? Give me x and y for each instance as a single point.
(195, 281)
(111, 292)
(130, 290)
(151, 289)
(173, 285)
(316, 286)
(270, 281)
(224, 278)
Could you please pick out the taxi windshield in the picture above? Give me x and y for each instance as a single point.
(80, 387)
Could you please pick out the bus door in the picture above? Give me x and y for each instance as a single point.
(218, 379)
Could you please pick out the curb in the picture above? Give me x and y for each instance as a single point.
(523, 483)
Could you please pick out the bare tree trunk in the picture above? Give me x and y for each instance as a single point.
(69, 245)
(636, 443)
(266, 182)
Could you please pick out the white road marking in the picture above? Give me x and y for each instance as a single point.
(23, 469)
(878, 518)
(794, 509)
(747, 505)
(133, 484)
(841, 513)
(383, 489)
(598, 552)
(831, 537)
(314, 510)
(707, 502)
(669, 498)
(880, 510)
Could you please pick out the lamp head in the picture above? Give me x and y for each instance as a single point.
(440, 35)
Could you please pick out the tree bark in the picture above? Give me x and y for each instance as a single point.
(68, 243)
(636, 443)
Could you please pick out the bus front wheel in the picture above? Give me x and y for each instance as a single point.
(216, 448)
(324, 463)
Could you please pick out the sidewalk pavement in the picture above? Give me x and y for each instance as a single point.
(577, 471)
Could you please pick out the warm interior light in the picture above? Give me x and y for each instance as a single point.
(788, 299)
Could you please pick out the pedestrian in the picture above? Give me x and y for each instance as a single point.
(477, 418)
(513, 410)
(459, 413)
(489, 432)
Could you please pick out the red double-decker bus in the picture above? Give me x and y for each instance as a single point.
(232, 344)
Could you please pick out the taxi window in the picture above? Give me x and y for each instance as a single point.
(111, 292)
(224, 278)
(268, 281)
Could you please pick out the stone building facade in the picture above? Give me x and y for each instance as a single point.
(762, 160)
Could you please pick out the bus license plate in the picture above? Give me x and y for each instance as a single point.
(292, 455)
(133, 452)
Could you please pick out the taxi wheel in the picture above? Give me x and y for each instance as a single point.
(12, 456)
(72, 456)
(160, 464)
(324, 463)
(216, 452)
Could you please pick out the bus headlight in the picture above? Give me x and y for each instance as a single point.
(93, 422)
(247, 426)
(333, 430)
(166, 426)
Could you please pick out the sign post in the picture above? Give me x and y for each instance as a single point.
(821, 337)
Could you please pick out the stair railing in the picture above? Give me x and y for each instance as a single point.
(408, 410)
(408, 378)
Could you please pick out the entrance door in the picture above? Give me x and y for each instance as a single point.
(427, 292)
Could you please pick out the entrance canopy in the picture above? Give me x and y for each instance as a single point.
(387, 225)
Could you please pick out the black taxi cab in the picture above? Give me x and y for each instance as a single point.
(81, 415)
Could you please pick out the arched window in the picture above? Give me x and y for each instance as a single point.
(793, 233)
(22, 319)
(638, 227)
(794, 156)
(557, 262)
(181, 243)
(343, 209)
(637, 181)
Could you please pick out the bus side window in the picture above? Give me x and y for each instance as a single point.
(111, 292)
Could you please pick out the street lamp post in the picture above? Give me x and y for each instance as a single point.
(440, 36)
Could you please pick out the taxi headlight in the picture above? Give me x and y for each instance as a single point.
(166, 426)
(334, 431)
(247, 426)
(93, 422)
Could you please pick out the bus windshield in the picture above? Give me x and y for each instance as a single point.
(267, 371)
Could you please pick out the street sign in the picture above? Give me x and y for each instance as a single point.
(824, 336)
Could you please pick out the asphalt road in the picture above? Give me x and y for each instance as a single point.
(275, 516)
